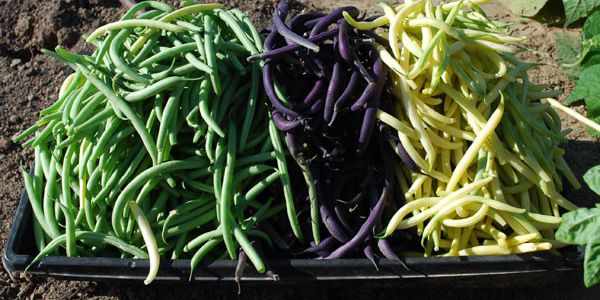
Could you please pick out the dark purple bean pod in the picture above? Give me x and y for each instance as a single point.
(326, 244)
(369, 252)
(404, 156)
(343, 216)
(306, 20)
(369, 119)
(317, 106)
(270, 91)
(314, 93)
(366, 227)
(240, 268)
(332, 18)
(332, 90)
(278, 20)
(372, 88)
(284, 124)
(345, 96)
(344, 42)
(293, 47)
(332, 225)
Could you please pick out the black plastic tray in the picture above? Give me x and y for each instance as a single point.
(506, 270)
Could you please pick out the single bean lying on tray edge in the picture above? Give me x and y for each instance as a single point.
(160, 144)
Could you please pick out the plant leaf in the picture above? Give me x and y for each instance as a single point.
(526, 8)
(591, 26)
(592, 178)
(592, 58)
(591, 263)
(568, 49)
(580, 226)
(587, 85)
(577, 9)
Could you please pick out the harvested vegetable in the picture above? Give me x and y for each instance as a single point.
(165, 117)
(325, 84)
(483, 169)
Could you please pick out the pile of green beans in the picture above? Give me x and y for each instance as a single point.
(159, 144)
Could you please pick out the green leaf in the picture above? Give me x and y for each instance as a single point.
(592, 178)
(591, 264)
(526, 8)
(568, 48)
(580, 227)
(591, 26)
(587, 85)
(577, 9)
(592, 58)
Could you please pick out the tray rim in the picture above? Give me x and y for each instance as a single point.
(292, 271)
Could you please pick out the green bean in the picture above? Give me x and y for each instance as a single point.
(228, 18)
(171, 52)
(209, 50)
(203, 108)
(36, 202)
(255, 258)
(89, 236)
(251, 107)
(182, 217)
(201, 253)
(114, 53)
(227, 192)
(253, 192)
(158, 205)
(201, 239)
(48, 200)
(149, 239)
(169, 114)
(197, 185)
(191, 224)
(119, 104)
(141, 179)
(38, 235)
(285, 180)
(68, 205)
(179, 244)
(126, 24)
(245, 173)
(154, 89)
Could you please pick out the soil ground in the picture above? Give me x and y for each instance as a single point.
(29, 81)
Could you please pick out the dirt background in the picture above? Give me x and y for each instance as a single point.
(30, 81)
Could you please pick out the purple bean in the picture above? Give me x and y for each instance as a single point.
(239, 269)
(369, 252)
(332, 90)
(345, 96)
(270, 91)
(344, 43)
(278, 20)
(284, 124)
(293, 47)
(325, 244)
(388, 252)
(314, 93)
(305, 20)
(334, 228)
(342, 215)
(317, 106)
(332, 18)
(372, 88)
(369, 119)
(366, 227)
